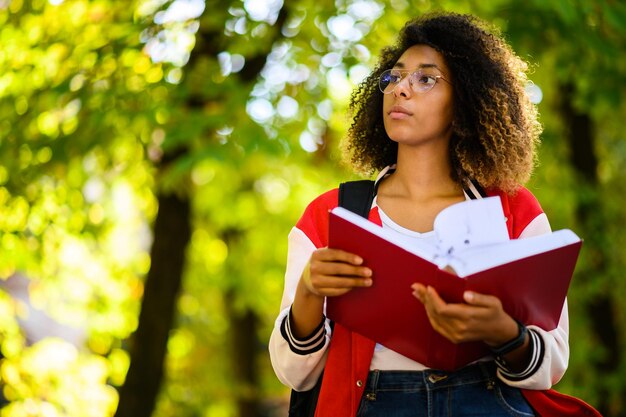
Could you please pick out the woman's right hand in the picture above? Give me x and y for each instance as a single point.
(329, 272)
(332, 272)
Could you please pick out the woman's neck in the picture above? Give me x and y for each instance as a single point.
(422, 173)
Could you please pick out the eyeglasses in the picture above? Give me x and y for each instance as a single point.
(421, 81)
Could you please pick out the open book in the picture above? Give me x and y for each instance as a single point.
(530, 276)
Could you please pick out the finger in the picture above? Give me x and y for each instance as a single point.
(437, 306)
(328, 282)
(481, 300)
(432, 298)
(339, 269)
(334, 286)
(419, 291)
(327, 254)
(433, 303)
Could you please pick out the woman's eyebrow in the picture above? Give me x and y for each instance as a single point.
(402, 66)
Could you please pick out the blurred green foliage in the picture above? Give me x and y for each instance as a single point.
(248, 101)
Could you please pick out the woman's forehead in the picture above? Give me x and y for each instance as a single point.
(421, 56)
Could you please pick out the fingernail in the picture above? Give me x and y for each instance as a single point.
(358, 260)
(468, 296)
(368, 272)
(368, 282)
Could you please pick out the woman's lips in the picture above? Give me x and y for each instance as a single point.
(399, 112)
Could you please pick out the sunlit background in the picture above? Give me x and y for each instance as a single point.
(154, 155)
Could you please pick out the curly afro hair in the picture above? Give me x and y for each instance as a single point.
(495, 130)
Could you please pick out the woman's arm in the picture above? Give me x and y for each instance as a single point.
(301, 333)
(297, 363)
(542, 358)
(550, 352)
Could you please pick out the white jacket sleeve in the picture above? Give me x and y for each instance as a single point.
(550, 354)
(298, 363)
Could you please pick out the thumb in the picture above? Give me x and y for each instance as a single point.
(476, 299)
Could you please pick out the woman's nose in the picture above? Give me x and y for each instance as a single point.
(403, 88)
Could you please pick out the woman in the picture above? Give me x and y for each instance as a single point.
(446, 105)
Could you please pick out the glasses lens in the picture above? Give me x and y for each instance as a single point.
(423, 81)
(388, 80)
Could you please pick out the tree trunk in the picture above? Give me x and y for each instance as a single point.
(244, 343)
(172, 233)
(244, 327)
(600, 308)
(149, 343)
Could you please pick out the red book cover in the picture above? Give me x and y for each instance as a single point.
(532, 290)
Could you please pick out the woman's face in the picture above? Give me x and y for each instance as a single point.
(414, 117)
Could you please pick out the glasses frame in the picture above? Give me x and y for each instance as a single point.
(403, 74)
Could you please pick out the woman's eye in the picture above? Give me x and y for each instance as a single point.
(390, 78)
(426, 79)
(395, 77)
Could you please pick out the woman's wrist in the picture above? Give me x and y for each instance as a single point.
(515, 354)
(508, 330)
(513, 343)
(523, 362)
(307, 310)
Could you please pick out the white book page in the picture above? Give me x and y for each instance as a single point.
(427, 252)
(469, 224)
(457, 228)
(472, 236)
(485, 257)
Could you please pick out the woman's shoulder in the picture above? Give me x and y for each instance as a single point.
(327, 199)
(321, 204)
(520, 207)
(314, 220)
(521, 199)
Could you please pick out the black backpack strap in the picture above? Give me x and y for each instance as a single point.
(474, 190)
(357, 196)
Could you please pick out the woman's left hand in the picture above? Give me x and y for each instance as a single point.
(480, 318)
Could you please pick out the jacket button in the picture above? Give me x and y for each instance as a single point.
(359, 383)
